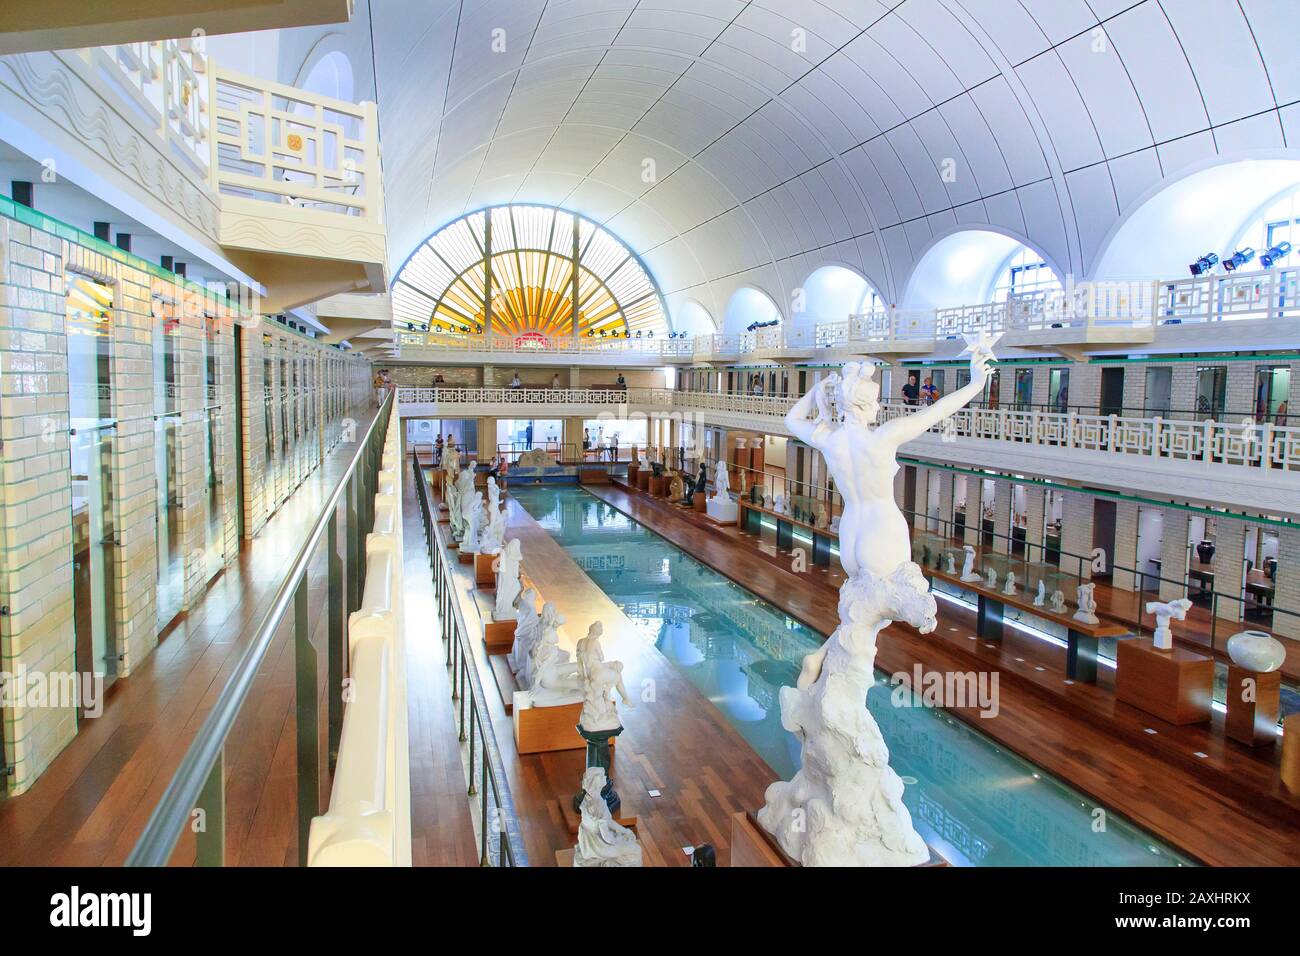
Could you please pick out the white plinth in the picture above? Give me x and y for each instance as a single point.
(722, 511)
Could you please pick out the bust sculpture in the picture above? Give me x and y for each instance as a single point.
(1176, 610)
(1009, 588)
(844, 806)
(1058, 602)
(527, 628)
(968, 565)
(1087, 602)
(508, 583)
(602, 841)
(600, 679)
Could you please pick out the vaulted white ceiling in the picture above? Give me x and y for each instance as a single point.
(727, 152)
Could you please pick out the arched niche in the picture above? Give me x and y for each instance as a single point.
(748, 306)
(832, 293)
(973, 266)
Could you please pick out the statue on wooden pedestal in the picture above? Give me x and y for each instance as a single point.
(1164, 613)
(602, 841)
(553, 678)
(721, 483)
(464, 501)
(492, 537)
(509, 567)
(844, 807)
(676, 487)
(528, 627)
(600, 679)
(1086, 599)
(475, 519)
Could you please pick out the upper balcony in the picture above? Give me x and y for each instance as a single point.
(1164, 314)
(280, 184)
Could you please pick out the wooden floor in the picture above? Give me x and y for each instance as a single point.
(91, 804)
(676, 742)
(1077, 732)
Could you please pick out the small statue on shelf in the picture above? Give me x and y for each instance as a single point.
(968, 566)
(1058, 602)
(676, 487)
(1087, 601)
(991, 577)
(1041, 597)
(952, 562)
(1164, 613)
(821, 518)
(1009, 588)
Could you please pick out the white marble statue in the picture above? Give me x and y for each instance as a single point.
(492, 538)
(1009, 587)
(1058, 602)
(509, 565)
(451, 499)
(779, 505)
(968, 572)
(721, 483)
(464, 500)
(602, 840)
(1164, 613)
(844, 806)
(1041, 597)
(1086, 599)
(527, 628)
(553, 677)
(952, 562)
(991, 577)
(475, 518)
(600, 678)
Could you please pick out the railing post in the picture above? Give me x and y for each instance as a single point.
(210, 838)
(308, 719)
(334, 669)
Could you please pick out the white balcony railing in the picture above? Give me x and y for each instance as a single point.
(1140, 305)
(408, 395)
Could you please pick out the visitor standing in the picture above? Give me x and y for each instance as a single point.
(911, 392)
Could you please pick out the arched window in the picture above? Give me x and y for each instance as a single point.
(527, 271)
(1023, 271)
(833, 293)
(749, 309)
(1279, 222)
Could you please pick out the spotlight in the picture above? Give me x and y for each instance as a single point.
(1280, 251)
(1238, 259)
(1204, 264)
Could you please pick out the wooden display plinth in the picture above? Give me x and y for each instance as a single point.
(632, 472)
(698, 501)
(1254, 701)
(751, 845)
(499, 636)
(643, 480)
(485, 575)
(465, 557)
(593, 476)
(1289, 765)
(546, 729)
(572, 818)
(1175, 685)
(656, 485)
(507, 686)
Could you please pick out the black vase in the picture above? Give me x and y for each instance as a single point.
(1205, 550)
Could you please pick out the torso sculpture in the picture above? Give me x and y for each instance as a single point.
(844, 806)
(1176, 610)
(1086, 598)
(602, 841)
(508, 584)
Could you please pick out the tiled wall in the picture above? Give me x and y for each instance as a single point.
(36, 567)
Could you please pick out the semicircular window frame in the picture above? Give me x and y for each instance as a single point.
(442, 286)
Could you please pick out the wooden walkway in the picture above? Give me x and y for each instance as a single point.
(1077, 732)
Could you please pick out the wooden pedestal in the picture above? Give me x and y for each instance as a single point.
(656, 486)
(632, 472)
(465, 557)
(484, 574)
(1253, 711)
(593, 476)
(643, 480)
(499, 636)
(572, 818)
(1289, 766)
(1175, 685)
(698, 502)
(545, 729)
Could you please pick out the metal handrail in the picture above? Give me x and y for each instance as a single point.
(460, 658)
(201, 771)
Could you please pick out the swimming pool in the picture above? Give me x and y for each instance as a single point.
(975, 802)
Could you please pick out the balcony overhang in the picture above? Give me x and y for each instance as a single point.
(887, 349)
(62, 26)
(1076, 341)
(300, 255)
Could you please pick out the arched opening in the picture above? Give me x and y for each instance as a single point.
(973, 266)
(692, 318)
(1216, 210)
(331, 75)
(833, 293)
(749, 309)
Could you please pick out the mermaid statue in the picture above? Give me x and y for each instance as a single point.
(844, 806)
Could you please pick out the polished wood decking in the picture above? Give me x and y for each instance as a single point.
(1226, 807)
(91, 804)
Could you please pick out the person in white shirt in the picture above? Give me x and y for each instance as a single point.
(514, 382)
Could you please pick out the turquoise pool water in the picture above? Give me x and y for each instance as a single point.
(975, 802)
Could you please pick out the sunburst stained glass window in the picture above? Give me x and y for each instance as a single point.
(519, 270)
